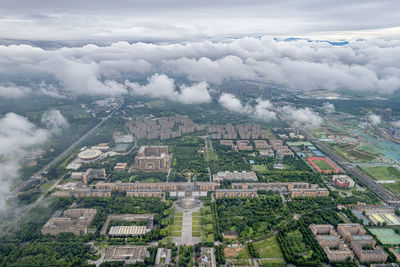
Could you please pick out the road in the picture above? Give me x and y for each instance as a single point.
(363, 178)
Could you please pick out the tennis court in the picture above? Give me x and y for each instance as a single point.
(386, 236)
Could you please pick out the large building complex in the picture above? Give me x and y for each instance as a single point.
(74, 221)
(353, 236)
(152, 158)
(94, 174)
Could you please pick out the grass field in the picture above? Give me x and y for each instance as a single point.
(349, 152)
(260, 168)
(268, 248)
(370, 148)
(323, 165)
(383, 172)
(273, 263)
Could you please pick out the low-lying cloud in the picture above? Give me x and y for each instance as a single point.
(328, 108)
(374, 119)
(366, 66)
(161, 86)
(17, 136)
(262, 110)
(305, 117)
(55, 122)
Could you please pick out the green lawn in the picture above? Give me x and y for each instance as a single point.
(273, 263)
(196, 234)
(196, 228)
(383, 172)
(178, 214)
(268, 248)
(196, 214)
(323, 165)
(176, 233)
(177, 228)
(195, 223)
(370, 148)
(260, 168)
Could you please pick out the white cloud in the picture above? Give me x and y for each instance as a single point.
(196, 94)
(302, 117)
(328, 108)
(160, 85)
(365, 66)
(17, 135)
(54, 121)
(231, 103)
(374, 119)
(263, 110)
(13, 91)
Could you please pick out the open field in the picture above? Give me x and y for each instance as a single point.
(322, 165)
(383, 172)
(268, 248)
(352, 154)
(370, 148)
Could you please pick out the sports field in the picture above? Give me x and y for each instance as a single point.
(322, 165)
(386, 236)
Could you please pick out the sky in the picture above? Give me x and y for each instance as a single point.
(179, 20)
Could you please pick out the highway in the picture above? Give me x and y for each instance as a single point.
(363, 178)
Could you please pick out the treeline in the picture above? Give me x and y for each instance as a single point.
(303, 250)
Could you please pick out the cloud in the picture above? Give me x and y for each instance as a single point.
(263, 110)
(160, 85)
(328, 108)
(13, 91)
(362, 66)
(231, 103)
(196, 94)
(302, 117)
(17, 136)
(55, 122)
(374, 119)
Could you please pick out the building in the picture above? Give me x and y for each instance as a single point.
(144, 217)
(144, 193)
(266, 153)
(226, 142)
(163, 257)
(74, 221)
(83, 192)
(261, 144)
(120, 166)
(152, 158)
(343, 181)
(125, 231)
(235, 193)
(90, 174)
(309, 192)
(163, 187)
(362, 245)
(336, 250)
(128, 254)
(235, 176)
